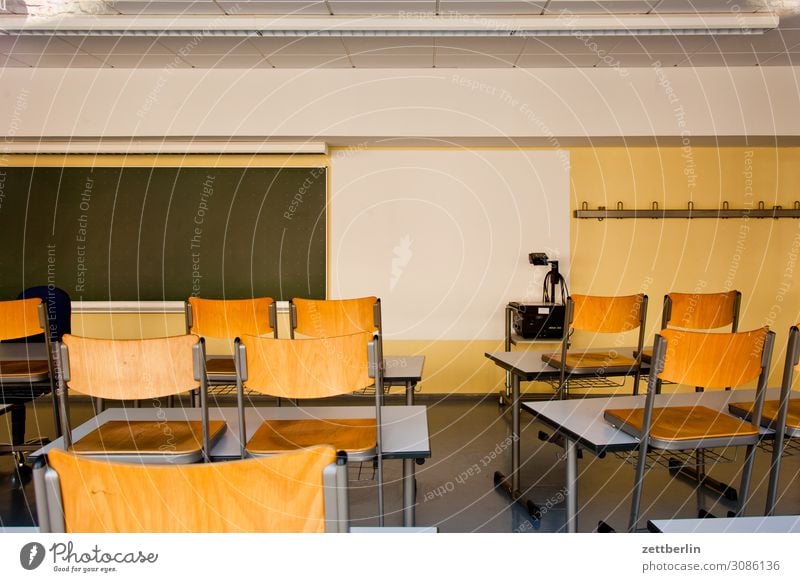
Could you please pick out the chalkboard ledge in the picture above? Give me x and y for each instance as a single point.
(87, 307)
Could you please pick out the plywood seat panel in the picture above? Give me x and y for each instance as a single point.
(147, 437)
(344, 434)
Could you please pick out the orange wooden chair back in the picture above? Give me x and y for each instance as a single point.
(131, 369)
(230, 318)
(308, 368)
(333, 317)
(283, 493)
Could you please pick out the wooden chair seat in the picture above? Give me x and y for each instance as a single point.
(608, 361)
(27, 369)
(682, 423)
(770, 413)
(344, 434)
(147, 437)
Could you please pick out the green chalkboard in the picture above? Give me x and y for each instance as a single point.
(163, 233)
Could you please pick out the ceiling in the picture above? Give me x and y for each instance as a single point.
(779, 47)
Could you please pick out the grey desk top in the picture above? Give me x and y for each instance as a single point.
(582, 420)
(774, 524)
(405, 428)
(529, 365)
(400, 369)
(22, 351)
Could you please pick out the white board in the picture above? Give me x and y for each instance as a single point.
(443, 236)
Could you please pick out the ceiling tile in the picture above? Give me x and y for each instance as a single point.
(130, 7)
(288, 61)
(790, 21)
(292, 8)
(52, 60)
(474, 61)
(719, 60)
(36, 44)
(125, 45)
(780, 60)
(570, 45)
(775, 41)
(661, 44)
(226, 61)
(421, 61)
(484, 7)
(120, 61)
(210, 45)
(345, 7)
(706, 6)
(9, 62)
(641, 60)
(403, 46)
(556, 61)
(456, 46)
(600, 7)
(331, 47)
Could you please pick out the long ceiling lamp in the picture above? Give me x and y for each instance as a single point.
(393, 26)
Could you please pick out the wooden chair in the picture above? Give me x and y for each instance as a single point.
(710, 360)
(138, 370)
(606, 315)
(781, 416)
(27, 371)
(229, 319)
(304, 491)
(699, 312)
(313, 368)
(335, 317)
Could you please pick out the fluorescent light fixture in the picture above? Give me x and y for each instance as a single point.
(161, 146)
(393, 26)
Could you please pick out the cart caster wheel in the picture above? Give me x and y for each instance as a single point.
(498, 478)
(501, 401)
(533, 510)
(420, 461)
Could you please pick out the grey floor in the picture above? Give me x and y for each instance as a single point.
(470, 440)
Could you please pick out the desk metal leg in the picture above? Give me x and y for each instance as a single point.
(409, 481)
(510, 484)
(409, 493)
(572, 485)
(515, 437)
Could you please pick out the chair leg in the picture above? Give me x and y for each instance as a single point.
(18, 424)
(774, 474)
(56, 412)
(700, 459)
(638, 486)
(744, 488)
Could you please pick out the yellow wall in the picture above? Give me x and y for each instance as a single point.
(628, 256)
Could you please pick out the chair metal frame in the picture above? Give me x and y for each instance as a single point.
(17, 449)
(750, 441)
(50, 506)
(198, 364)
(782, 432)
(563, 385)
(375, 363)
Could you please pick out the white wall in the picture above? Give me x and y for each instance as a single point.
(400, 103)
(442, 237)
